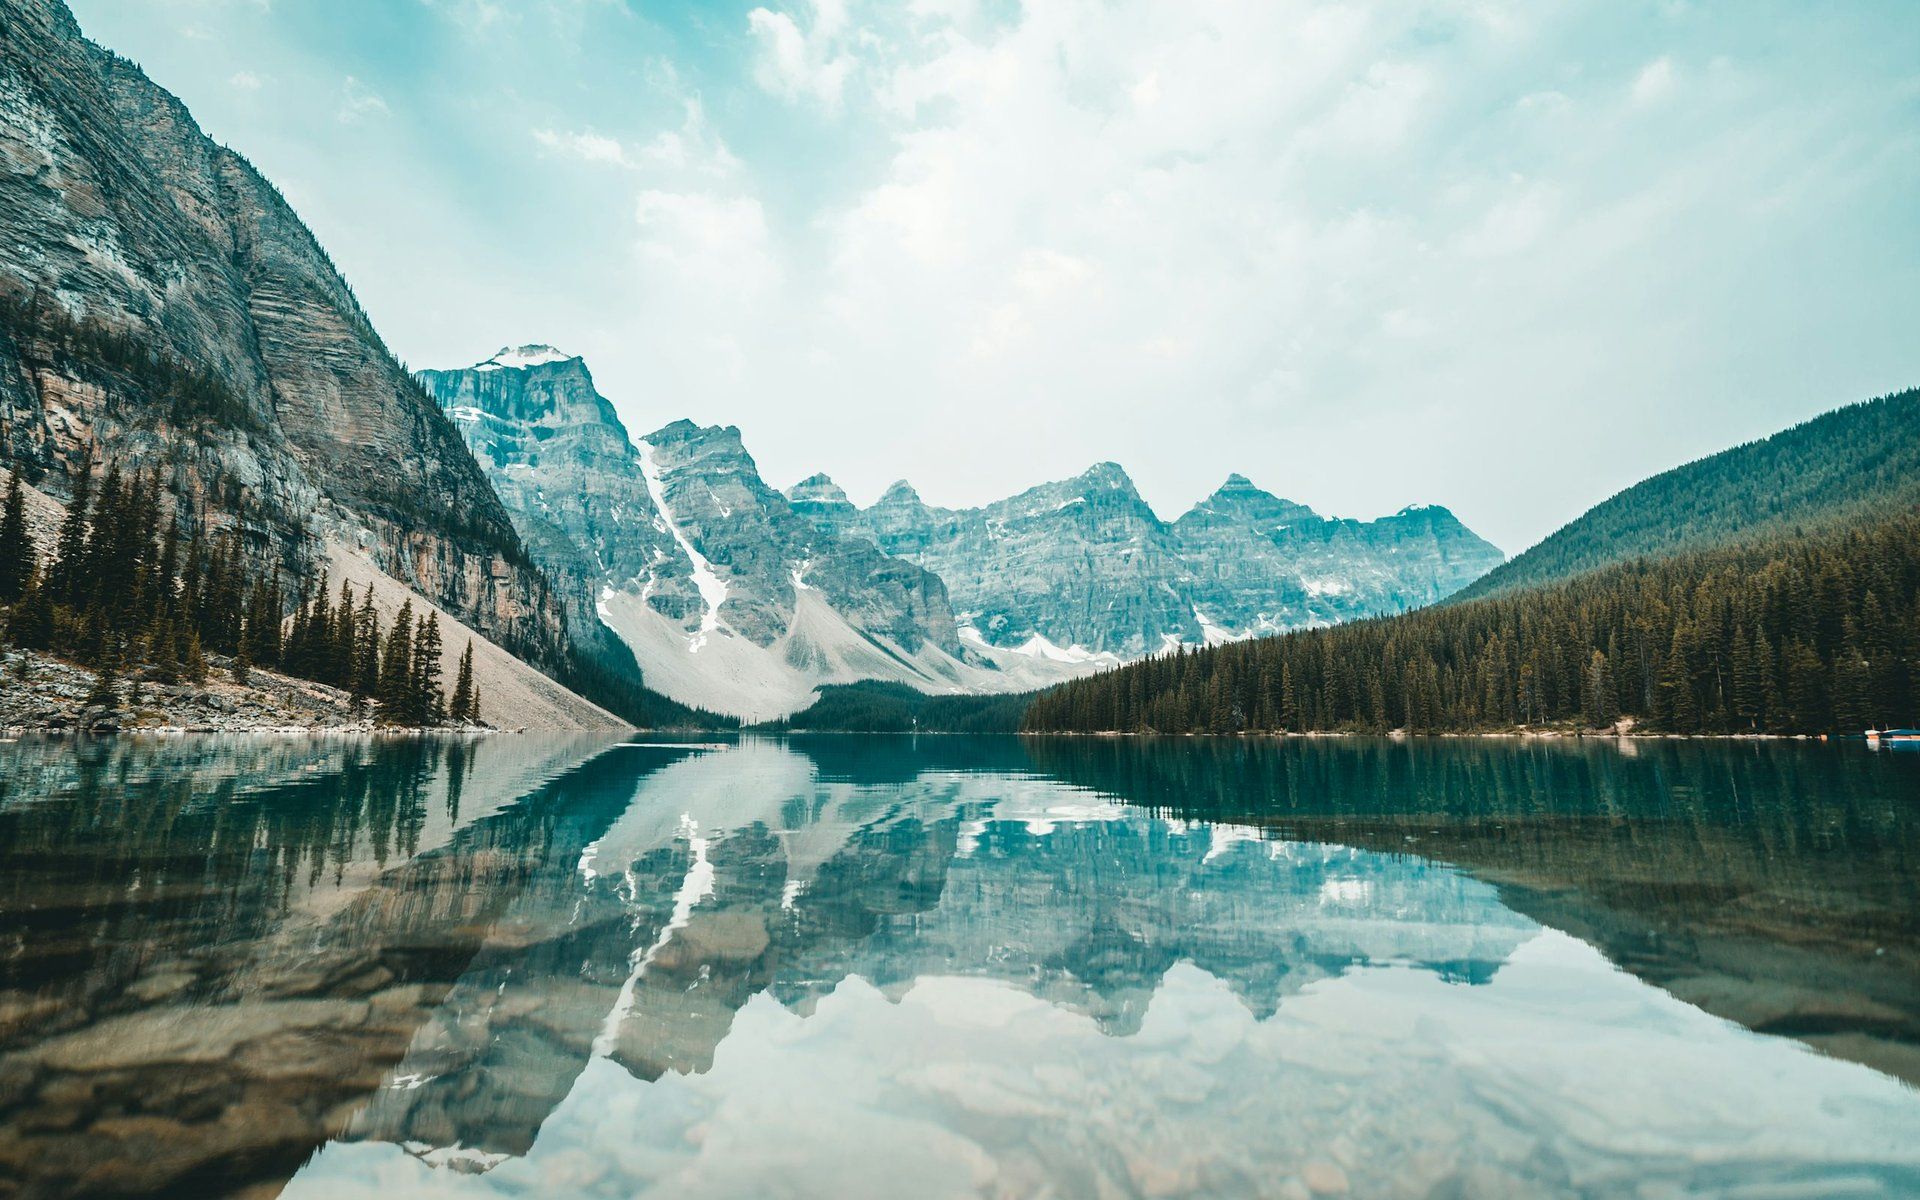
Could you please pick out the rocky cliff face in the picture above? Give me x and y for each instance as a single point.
(1076, 563)
(727, 594)
(166, 308)
(1084, 567)
(1258, 564)
(562, 463)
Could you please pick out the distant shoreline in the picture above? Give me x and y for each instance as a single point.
(16, 732)
(1392, 735)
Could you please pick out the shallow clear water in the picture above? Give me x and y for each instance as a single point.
(958, 967)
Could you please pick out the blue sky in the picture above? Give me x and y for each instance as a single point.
(1503, 256)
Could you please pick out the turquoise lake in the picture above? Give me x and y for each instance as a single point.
(957, 967)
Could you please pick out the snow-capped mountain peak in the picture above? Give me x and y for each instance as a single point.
(521, 357)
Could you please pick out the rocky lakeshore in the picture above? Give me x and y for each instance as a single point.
(41, 693)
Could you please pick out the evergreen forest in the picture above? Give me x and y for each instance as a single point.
(1851, 466)
(1809, 633)
(122, 591)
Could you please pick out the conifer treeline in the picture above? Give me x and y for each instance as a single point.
(1805, 634)
(121, 589)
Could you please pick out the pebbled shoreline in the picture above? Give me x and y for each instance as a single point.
(41, 694)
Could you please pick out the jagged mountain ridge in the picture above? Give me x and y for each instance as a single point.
(167, 308)
(736, 596)
(724, 594)
(1085, 567)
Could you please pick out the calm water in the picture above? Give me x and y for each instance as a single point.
(958, 967)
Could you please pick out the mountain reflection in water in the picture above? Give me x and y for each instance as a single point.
(880, 966)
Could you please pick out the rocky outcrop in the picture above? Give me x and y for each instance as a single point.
(566, 470)
(770, 554)
(1084, 567)
(1073, 563)
(166, 308)
(44, 693)
(1258, 564)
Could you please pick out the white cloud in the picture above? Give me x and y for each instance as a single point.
(587, 145)
(246, 81)
(1367, 251)
(1655, 82)
(358, 101)
(716, 244)
(798, 64)
(693, 149)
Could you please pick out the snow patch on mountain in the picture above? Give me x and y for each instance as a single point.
(712, 588)
(1212, 634)
(1038, 647)
(762, 683)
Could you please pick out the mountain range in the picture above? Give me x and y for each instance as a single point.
(736, 597)
(1770, 589)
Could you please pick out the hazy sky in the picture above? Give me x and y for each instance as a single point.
(1503, 256)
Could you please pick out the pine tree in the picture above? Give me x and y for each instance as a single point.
(1599, 702)
(340, 660)
(166, 594)
(17, 559)
(366, 652)
(259, 644)
(32, 622)
(163, 651)
(1809, 632)
(243, 661)
(70, 547)
(106, 684)
(193, 658)
(395, 688)
(1807, 697)
(461, 707)
(428, 703)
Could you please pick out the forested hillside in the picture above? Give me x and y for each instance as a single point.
(1846, 465)
(124, 588)
(1803, 633)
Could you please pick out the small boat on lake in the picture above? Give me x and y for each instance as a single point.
(1901, 739)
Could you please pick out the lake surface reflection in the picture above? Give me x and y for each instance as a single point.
(958, 967)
